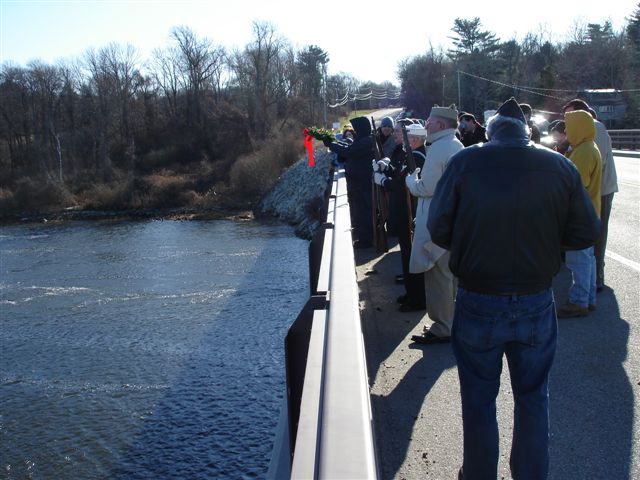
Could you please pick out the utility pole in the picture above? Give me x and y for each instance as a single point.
(443, 77)
(324, 93)
(459, 101)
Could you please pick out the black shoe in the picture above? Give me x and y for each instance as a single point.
(400, 278)
(571, 310)
(403, 298)
(429, 338)
(409, 307)
(362, 244)
(599, 288)
(460, 474)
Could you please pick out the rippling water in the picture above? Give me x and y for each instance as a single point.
(144, 350)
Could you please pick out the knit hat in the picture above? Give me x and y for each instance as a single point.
(512, 109)
(416, 130)
(386, 122)
(450, 113)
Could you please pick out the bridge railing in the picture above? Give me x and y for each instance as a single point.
(625, 139)
(328, 405)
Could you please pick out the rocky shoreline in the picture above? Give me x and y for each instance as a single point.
(299, 195)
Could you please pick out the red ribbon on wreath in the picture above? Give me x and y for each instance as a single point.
(308, 139)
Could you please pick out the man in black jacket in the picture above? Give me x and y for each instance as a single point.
(471, 131)
(505, 210)
(391, 176)
(357, 170)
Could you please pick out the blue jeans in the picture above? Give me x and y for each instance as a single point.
(486, 327)
(582, 264)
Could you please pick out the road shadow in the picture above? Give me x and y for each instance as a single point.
(396, 414)
(383, 325)
(388, 350)
(592, 404)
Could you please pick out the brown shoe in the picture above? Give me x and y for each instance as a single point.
(570, 310)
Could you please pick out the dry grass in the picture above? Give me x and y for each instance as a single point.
(28, 195)
(255, 174)
(107, 196)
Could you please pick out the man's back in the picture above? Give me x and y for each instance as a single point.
(512, 216)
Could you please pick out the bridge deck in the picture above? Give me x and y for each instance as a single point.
(415, 390)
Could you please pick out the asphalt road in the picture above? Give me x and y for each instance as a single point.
(594, 386)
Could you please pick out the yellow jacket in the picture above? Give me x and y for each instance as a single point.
(581, 132)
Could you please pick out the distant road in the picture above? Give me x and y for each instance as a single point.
(391, 112)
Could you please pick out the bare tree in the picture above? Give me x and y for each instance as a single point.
(113, 80)
(201, 64)
(166, 74)
(255, 69)
(578, 33)
(15, 127)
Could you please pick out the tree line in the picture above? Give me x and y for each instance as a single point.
(479, 72)
(195, 123)
(199, 124)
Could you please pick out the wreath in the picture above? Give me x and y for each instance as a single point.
(321, 134)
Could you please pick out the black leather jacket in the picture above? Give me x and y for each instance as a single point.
(505, 212)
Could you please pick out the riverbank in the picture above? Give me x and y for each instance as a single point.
(72, 214)
(294, 200)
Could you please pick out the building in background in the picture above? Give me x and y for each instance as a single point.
(608, 103)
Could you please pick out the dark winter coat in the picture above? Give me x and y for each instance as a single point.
(399, 215)
(479, 135)
(358, 155)
(387, 144)
(506, 209)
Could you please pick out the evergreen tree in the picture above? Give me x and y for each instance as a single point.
(474, 53)
(633, 29)
(470, 39)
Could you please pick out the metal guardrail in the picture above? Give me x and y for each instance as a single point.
(625, 139)
(329, 412)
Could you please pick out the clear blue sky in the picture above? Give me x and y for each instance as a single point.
(365, 43)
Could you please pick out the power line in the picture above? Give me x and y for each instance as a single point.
(532, 89)
(371, 94)
(575, 89)
(515, 87)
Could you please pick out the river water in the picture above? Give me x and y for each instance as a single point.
(144, 349)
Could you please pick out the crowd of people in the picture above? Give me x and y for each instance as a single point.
(484, 221)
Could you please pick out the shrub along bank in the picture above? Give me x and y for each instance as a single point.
(161, 183)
